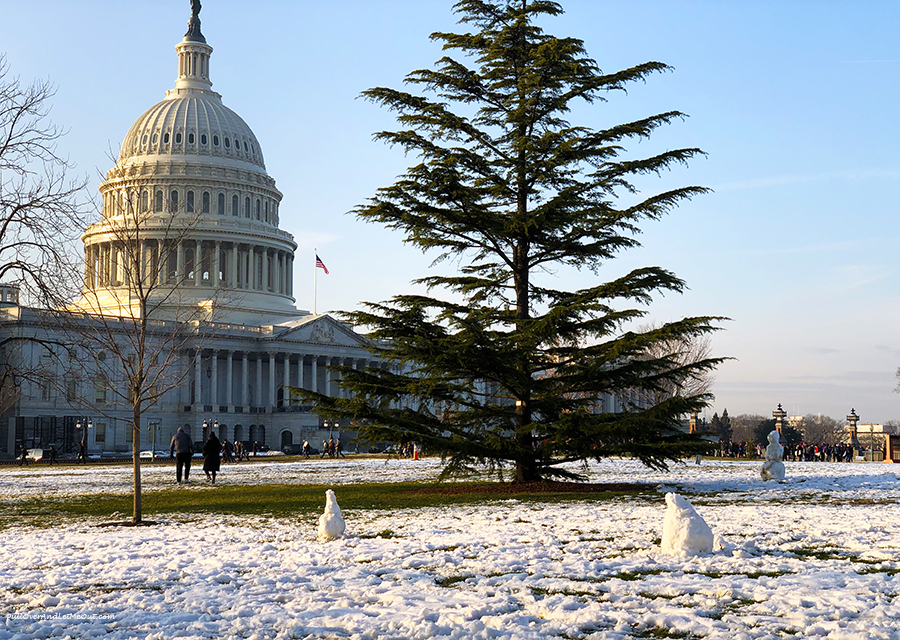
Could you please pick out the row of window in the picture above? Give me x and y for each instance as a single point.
(235, 145)
(262, 209)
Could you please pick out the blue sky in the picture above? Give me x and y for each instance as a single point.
(793, 101)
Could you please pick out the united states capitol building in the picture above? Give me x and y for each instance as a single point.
(210, 238)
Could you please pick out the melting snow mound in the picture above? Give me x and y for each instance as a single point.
(331, 523)
(685, 532)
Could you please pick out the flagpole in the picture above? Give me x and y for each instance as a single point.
(315, 283)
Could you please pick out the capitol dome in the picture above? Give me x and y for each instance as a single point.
(193, 124)
(190, 199)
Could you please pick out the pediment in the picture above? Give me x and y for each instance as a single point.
(320, 329)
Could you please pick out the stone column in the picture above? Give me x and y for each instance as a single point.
(216, 282)
(258, 400)
(265, 270)
(290, 274)
(285, 393)
(179, 264)
(229, 381)
(214, 380)
(234, 266)
(162, 263)
(314, 385)
(251, 258)
(198, 262)
(245, 380)
(271, 405)
(88, 264)
(185, 389)
(328, 390)
(300, 372)
(198, 365)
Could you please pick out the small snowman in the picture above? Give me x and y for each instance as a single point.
(331, 523)
(685, 532)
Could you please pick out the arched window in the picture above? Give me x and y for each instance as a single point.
(215, 141)
(257, 209)
(178, 138)
(227, 143)
(234, 206)
(206, 202)
(203, 139)
(173, 201)
(166, 138)
(247, 207)
(221, 203)
(189, 202)
(158, 205)
(190, 138)
(155, 138)
(267, 210)
(145, 201)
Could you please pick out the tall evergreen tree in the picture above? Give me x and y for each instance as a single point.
(515, 370)
(724, 426)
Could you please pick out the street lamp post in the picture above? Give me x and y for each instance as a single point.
(779, 415)
(853, 419)
(154, 427)
(871, 443)
(82, 450)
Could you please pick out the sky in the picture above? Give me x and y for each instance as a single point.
(792, 101)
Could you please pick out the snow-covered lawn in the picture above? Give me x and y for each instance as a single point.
(816, 556)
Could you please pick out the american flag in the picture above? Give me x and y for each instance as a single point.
(320, 264)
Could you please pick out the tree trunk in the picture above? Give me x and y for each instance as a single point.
(136, 454)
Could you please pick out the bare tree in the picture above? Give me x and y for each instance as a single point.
(743, 426)
(42, 211)
(680, 352)
(134, 320)
(819, 429)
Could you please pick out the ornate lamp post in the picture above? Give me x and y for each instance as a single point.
(853, 419)
(83, 426)
(209, 425)
(779, 415)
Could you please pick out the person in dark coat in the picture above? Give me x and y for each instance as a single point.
(211, 456)
(182, 449)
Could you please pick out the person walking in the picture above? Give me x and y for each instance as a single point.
(53, 455)
(227, 451)
(306, 449)
(182, 449)
(211, 457)
(23, 456)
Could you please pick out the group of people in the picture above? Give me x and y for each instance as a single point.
(330, 448)
(182, 449)
(23, 455)
(803, 452)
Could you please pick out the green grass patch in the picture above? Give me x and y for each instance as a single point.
(634, 576)
(449, 581)
(277, 500)
(661, 632)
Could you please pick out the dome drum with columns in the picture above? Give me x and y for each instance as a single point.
(192, 172)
